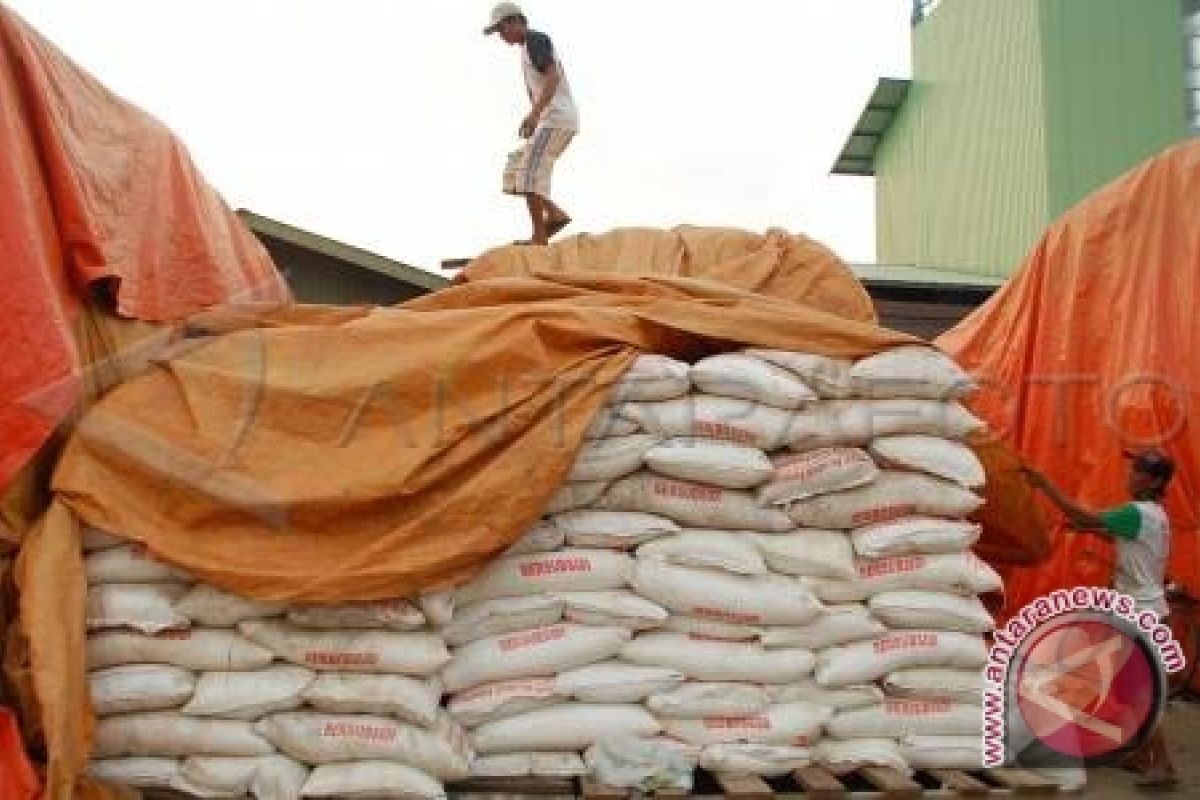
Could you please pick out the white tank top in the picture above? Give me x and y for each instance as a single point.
(561, 112)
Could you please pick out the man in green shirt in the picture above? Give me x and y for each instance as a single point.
(1142, 534)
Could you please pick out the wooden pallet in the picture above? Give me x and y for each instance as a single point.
(811, 783)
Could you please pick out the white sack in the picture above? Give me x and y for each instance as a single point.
(799, 476)
(139, 687)
(750, 378)
(811, 552)
(694, 505)
(143, 607)
(136, 773)
(857, 422)
(526, 654)
(438, 607)
(746, 600)
(766, 760)
(711, 461)
(716, 660)
(838, 625)
(541, 538)
(249, 695)
(932, 611)
(571, 496)
(911, 371)
(728, 551)
(943, 752)
(418, 654)
(317, 739)
(795, 724)
(844, 757)
(894, 718)
(828, 377)
(939, 457)
(712, 417)
(611, 458)
(278, 778)
(519, 765)
(958, 573)
(491, 701)
(394, 615)
(936, 683)
(168, 733)
(376, 780)
(645, 766)
(892, 495)
(129, 563)
(809, 691)
(711, 628)
(502, 615)
(564, 571)
(616, 682)
(609, 422)
(623, 530)
(408, 699)
(508, 765)
(862, 662)
(710, 700)
(196, 649)
(557, 765)
(568, 726)
(208, 605)
(265, 777)
(913, 535)
(614, 608)
(652, 377)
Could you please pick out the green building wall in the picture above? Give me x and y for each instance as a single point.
(1114, 84)
(1017, 110)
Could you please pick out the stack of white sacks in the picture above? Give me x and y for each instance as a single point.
(760, 562)
(213, 695)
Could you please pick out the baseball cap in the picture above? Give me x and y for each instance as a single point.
(501, 12)
(1154, 463)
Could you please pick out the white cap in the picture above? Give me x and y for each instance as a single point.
(501, 12)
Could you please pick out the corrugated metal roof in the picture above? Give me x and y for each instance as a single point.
(912, 276)
(339, 251)
(858, 153)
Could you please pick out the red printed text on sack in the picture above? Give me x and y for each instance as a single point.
(687, 491)
(532, 638)
(890, 566)
(903, 641)
(359, 730)
(555, 566)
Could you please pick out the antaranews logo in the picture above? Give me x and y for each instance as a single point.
(1076, 677)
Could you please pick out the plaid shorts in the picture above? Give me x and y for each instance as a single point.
(528, 170)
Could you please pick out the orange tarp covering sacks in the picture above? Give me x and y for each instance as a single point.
(91, 190)
(777, 264)
(1091, 349)
(350, 455)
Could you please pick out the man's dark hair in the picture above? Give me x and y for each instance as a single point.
(1155, 464)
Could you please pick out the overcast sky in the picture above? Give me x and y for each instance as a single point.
(385, 123)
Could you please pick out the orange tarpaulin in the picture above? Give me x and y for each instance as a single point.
(1092, 348)
(352, 455)
(94, 190)
(777, 263)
